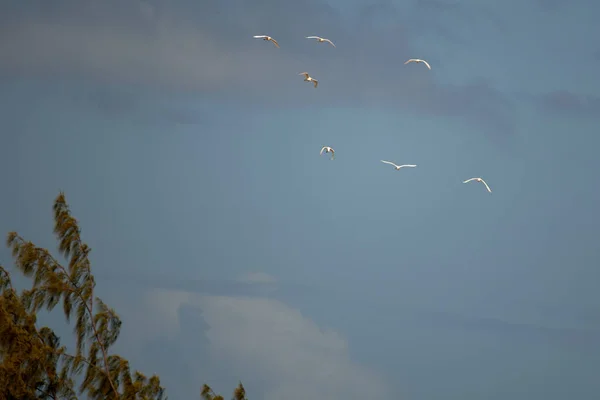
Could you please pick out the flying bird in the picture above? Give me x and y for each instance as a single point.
(328, 149)
(321, 40)
(479, 180)
(307, 78)
(269, 38)
(418, 61)
(398, 166)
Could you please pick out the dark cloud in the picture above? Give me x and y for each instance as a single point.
(568, 103)
(558, 5)
(120, 103)
(549, 5)
(207, 47)
(575, 338)
(456, 14)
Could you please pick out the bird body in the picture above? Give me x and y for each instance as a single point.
(265, 37)
(479, 180)
(398, 166)
(328, 149)
(321, 40)
(417, 60)
(308, 78)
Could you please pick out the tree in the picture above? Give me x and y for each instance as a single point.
(208, 394)
(30, 357)
(33, 364)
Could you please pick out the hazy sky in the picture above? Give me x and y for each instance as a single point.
(189, 152)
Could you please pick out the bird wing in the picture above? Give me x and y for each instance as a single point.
(324, 147)
(313, 37)
(469, 180)
(259, 36)
(315, 82)
(329, 41)
(407, 165)
(389, 162)
(411, 60)
(275, 42)
(486, 186)
(426, 63)
(304, 73)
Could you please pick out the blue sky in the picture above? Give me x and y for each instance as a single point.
(190, 154)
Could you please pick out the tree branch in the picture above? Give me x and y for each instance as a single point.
(7, 274)
(45, 393)
(87, 306)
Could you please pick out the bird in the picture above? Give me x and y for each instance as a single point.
(398, 166)
(307, 78)
(418, 61)
(479, 180)
(321, 40)
(265, 37)
(328, 149)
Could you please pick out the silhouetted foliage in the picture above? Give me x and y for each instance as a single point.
(33, 364)
(238, 394)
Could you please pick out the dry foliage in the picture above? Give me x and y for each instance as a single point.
(33, 364)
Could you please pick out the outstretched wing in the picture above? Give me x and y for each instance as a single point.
(259, 36)
(315, 82)
(329, 41)
(388, 162)
(426, 63)
(407, 165)
(275, 42)
(322, 150)
(313, 37)
(411, 60)
(469, 180)
(486, 186)
(304, 73)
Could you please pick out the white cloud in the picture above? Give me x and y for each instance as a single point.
(266, 343)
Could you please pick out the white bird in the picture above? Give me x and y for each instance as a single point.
(418, 61)
(321, 40)
(479, 180)
(307, 78)
(398, 166)
(269, 38)
(328, 149)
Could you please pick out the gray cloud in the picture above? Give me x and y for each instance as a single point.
(251, 284)
(558, 5)
(116, 102)
(580, 325)
(207, 48)
(575, 338)
(569, 103)
(275, 350)
(257, 277)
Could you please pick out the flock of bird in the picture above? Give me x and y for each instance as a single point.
(310, 79)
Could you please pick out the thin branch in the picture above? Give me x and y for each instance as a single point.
(87, 306)
(45, 393)
(7, 274)
(85, 360)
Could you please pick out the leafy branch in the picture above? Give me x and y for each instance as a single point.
(97, 326)
(208, 394)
